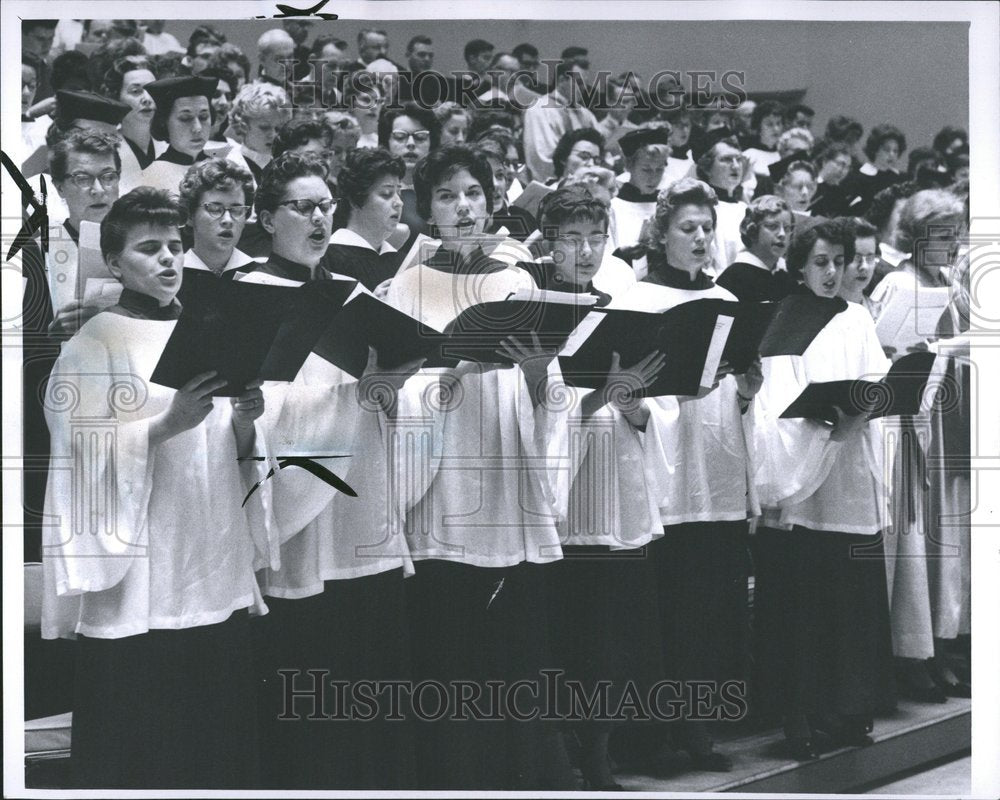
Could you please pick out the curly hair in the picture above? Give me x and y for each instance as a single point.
(760, 208)
(253, 100)
(834, 231)
(685, 192)
(114, 79)
(214, 173)
(881, 134)
(144, 205)
(80, 141)
(227, 54)
(926, 208)
(884, 203)
(570, 204)
(280, 172)
(568, 141)
(361, 171)
(439, 165)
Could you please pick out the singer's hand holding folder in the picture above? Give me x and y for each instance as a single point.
(245, 330)
(899, 392)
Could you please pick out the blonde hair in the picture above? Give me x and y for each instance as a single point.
(255, 99)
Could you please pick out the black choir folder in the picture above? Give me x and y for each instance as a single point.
(695, 336)
(246, 331)
(899, 392)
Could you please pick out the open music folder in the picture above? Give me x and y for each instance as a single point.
(900, 392)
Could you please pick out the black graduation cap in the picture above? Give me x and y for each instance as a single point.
(87, 105)
(779, 169)
(633, 141)
(708, 140)
(165, 91)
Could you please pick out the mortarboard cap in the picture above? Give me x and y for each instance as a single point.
(87, 105)
(633, 141)
(165, 91)
(708, 140)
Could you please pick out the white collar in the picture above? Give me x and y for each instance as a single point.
(348, 237)
(891, 256)
(869, 169)
(237, 260)
(746, 257)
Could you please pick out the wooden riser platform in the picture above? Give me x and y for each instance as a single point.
(915, 734)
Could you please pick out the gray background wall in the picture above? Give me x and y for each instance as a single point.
(913, 74)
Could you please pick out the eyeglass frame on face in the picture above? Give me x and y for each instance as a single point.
(404, 136)
(731, 160)
(218, 210)
(595, 241)
(314, 204)
(104, 179)
(870, 259)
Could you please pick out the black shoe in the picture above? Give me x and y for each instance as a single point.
(854, 733)
(923, 694)
(802, 749)
(610, 786)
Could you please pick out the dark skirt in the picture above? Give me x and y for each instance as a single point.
(604, 622)
(821, 623)
(702, 572)
(326, 729)
(470, 626)
(168, 709)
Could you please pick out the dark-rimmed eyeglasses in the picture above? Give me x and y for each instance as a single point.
(418, 136)
(218, 210)
(306, 207)
(84, 180)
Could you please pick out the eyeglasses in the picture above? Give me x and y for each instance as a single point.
(595, 241)
(869, 260)
(418, 136)
(218, 210)
(306, 207)
(729, 159)
(84, 180)
(517, 166)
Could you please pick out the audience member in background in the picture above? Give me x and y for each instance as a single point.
(37, 36)
(259, 110)
(367, 213)
(951, 139)
(680, 164)
(743, 122)
(478, 54)
(580, 148)
(157, 41)
(547, 120)
(884, 148)
(926, 167)
(363, 99)
(758, 273)
(222, 102)
(273, 47)
(372, 45)
(183, 120)
(423, 84)
(68, 34)
(834, 164)
(204, 42)
(454, 121)
(233, 59)
(332, 51)
(218, 198)
(845, 130)
(799, 116)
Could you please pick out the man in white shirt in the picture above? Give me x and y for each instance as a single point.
(552, 116)
(156, 41)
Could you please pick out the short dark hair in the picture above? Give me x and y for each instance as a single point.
(863, 229)
(947, 135)
(420, 38)
(214, 173)
(362, 169)
(794, 110)
(566, 143)
(323, 40)
(570, 204)
(883, 203)
(840, 128)
(158, 127)
(69, 71)
(297, 132)
(485, 119)
(881, 134)
(476, 48)
(227, 53)
(109, 54)
(143, 205)
(834, 231)
(830, 150)
(111, 85)
(439, 165)
(28, 24)
(78, 141)
(422, 115)
(768, 108)
(523, 50)
(203, 34)
(280, 172)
